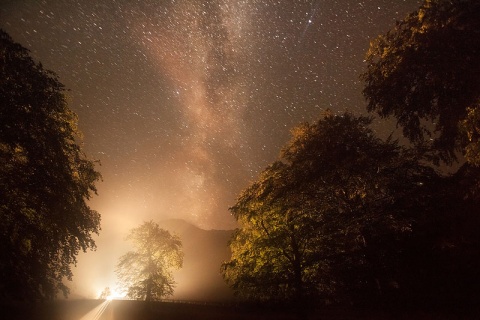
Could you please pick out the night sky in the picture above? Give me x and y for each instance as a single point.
(184, 102)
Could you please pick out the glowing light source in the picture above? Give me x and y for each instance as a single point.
(114, 295)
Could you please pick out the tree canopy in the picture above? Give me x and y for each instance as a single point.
(330, 213)
(45, 180)
(105, 294)
(146, 272)
(426, 73)
(346, 216)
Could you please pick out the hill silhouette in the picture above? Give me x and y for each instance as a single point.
(205, 250)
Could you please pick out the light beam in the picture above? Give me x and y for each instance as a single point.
(97, 312)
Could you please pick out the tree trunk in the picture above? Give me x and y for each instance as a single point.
(297, 271)
(148, 296)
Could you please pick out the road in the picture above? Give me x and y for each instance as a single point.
(104, 311)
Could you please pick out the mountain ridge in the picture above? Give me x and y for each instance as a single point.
(204, 251)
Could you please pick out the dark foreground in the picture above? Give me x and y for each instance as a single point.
(139, 310)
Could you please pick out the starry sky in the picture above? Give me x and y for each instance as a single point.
(184, 102)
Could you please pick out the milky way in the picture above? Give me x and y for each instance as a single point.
(185, 101)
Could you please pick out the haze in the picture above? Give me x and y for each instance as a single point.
(184, 102)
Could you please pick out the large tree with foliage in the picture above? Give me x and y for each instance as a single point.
(426, 73)
(45, 180)
(273, 251)
(329, 218)
(441, 258)
(146, 272)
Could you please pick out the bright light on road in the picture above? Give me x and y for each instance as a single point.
(96, 312)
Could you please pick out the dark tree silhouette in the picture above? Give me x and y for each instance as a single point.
(441, 258)
(146, 273)
(45, 180)
(425, 72)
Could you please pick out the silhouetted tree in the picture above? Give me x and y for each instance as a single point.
(441, 259)
(45, 180)
(329, 218)
(105, 294)
(146, 272)
(426, 73)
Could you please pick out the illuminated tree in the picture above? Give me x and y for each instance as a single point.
(273, 251)
(426, 73)
(45, 180)
(329, 218)
(470, 129)
(146, 272)
(105, 294)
